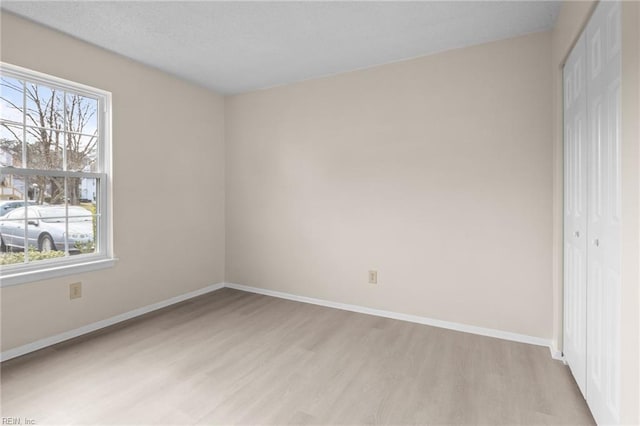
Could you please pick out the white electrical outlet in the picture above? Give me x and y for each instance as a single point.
(373, 277)
(75, 290)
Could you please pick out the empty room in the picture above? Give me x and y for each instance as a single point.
(319, 212)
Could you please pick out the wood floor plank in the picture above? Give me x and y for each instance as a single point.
(231, 357)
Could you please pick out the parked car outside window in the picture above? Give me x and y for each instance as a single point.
(47, 227)
(7, 205)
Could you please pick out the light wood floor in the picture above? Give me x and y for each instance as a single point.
(232, 357)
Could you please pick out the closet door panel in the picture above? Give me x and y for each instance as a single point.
(575, 212)
(603, 271)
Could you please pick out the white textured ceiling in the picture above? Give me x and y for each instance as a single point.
(235, 46)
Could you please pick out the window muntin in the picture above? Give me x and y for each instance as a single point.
(54, 154)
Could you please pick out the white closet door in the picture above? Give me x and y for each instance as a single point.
(603, 272)
(575, 212)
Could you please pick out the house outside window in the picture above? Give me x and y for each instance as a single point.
(55, 173)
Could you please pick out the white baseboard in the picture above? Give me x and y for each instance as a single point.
(505, 335)
(499, 334)
(49, 341)
(557, 354)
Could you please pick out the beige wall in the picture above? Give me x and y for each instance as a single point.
(168, 147)
(437, 172)
(630, 153)
(572, 19)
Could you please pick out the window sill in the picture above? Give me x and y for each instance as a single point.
(55, 271)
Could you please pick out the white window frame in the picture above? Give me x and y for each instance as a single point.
(103, 257)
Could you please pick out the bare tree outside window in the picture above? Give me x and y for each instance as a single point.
(60, 129)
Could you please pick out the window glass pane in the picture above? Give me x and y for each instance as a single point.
(44, 149)
(11, 204)
(82, 229)
(46, 239)
(82, 153)
(11, 99)
(47, 190)
(45, 106)
(12, 237)
(10, 146)
(82, 192)
(11, 188)
(83, 210)
(82, 114)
